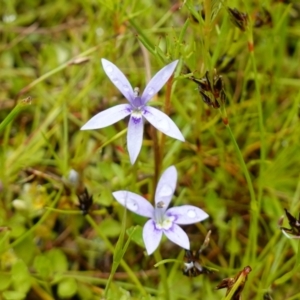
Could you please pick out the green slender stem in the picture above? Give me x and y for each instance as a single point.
(298, 256)
(243, 165)
(236, 285)
(166, 261)
(119, 251)
(65, 146)
(253, 204)
(14, 112)
(4, 240)
(58, 69)
(167, 112)
(157, 156)
(261, 127)
(92, 278)
(254, 221)
(116, 263)
(287, 276)
(295, 200)
(144, 39)
(163, 274)
(255, 213)
(124, 265)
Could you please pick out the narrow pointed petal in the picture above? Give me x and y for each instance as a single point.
(178, 236)
(187, 214)
(151, 236)
(162, 122)
(158, 81)
(108, 117)
(135, 137)
(135, 203)
(118, 79)
(166, 187)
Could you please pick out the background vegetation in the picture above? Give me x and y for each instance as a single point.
(51, 83)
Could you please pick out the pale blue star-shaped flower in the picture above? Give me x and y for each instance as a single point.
(137, 108)
(162, 220)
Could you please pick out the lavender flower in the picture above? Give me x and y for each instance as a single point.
(137, 108)
(162, 220)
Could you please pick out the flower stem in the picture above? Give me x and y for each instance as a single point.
(158, 147)
(166, 111)
(261, 125)
(14, 112)
(163, 273)
(124, 265)
(157, 156)
(253, 231)
(287, 276)
(260, 118)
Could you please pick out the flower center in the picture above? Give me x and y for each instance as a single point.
(137, 101)
(136, 116)
(166, 223)
(162, 221)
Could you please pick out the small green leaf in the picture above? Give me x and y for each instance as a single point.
(67, 288)
(104, 198)
(84, 291)
(43, 266)
(58, 260)
(25, 249)
(110, 227)
(19, 270)
(136, 235)
(13, 295)
(20, 277)
(5, 280)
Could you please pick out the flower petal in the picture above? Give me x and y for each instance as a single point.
(187, 214)
(108, 117)
(178, 236)
(135, 203)
(118, 79)
(135, 137)
(151, 236)
(166, 187)
(162, 122)
(157, 82)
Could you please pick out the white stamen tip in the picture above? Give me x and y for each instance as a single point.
(136, 91)
(160, 204)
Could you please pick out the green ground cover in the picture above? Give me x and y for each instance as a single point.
(235, 97)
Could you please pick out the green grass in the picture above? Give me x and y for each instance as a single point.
(243, 174)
